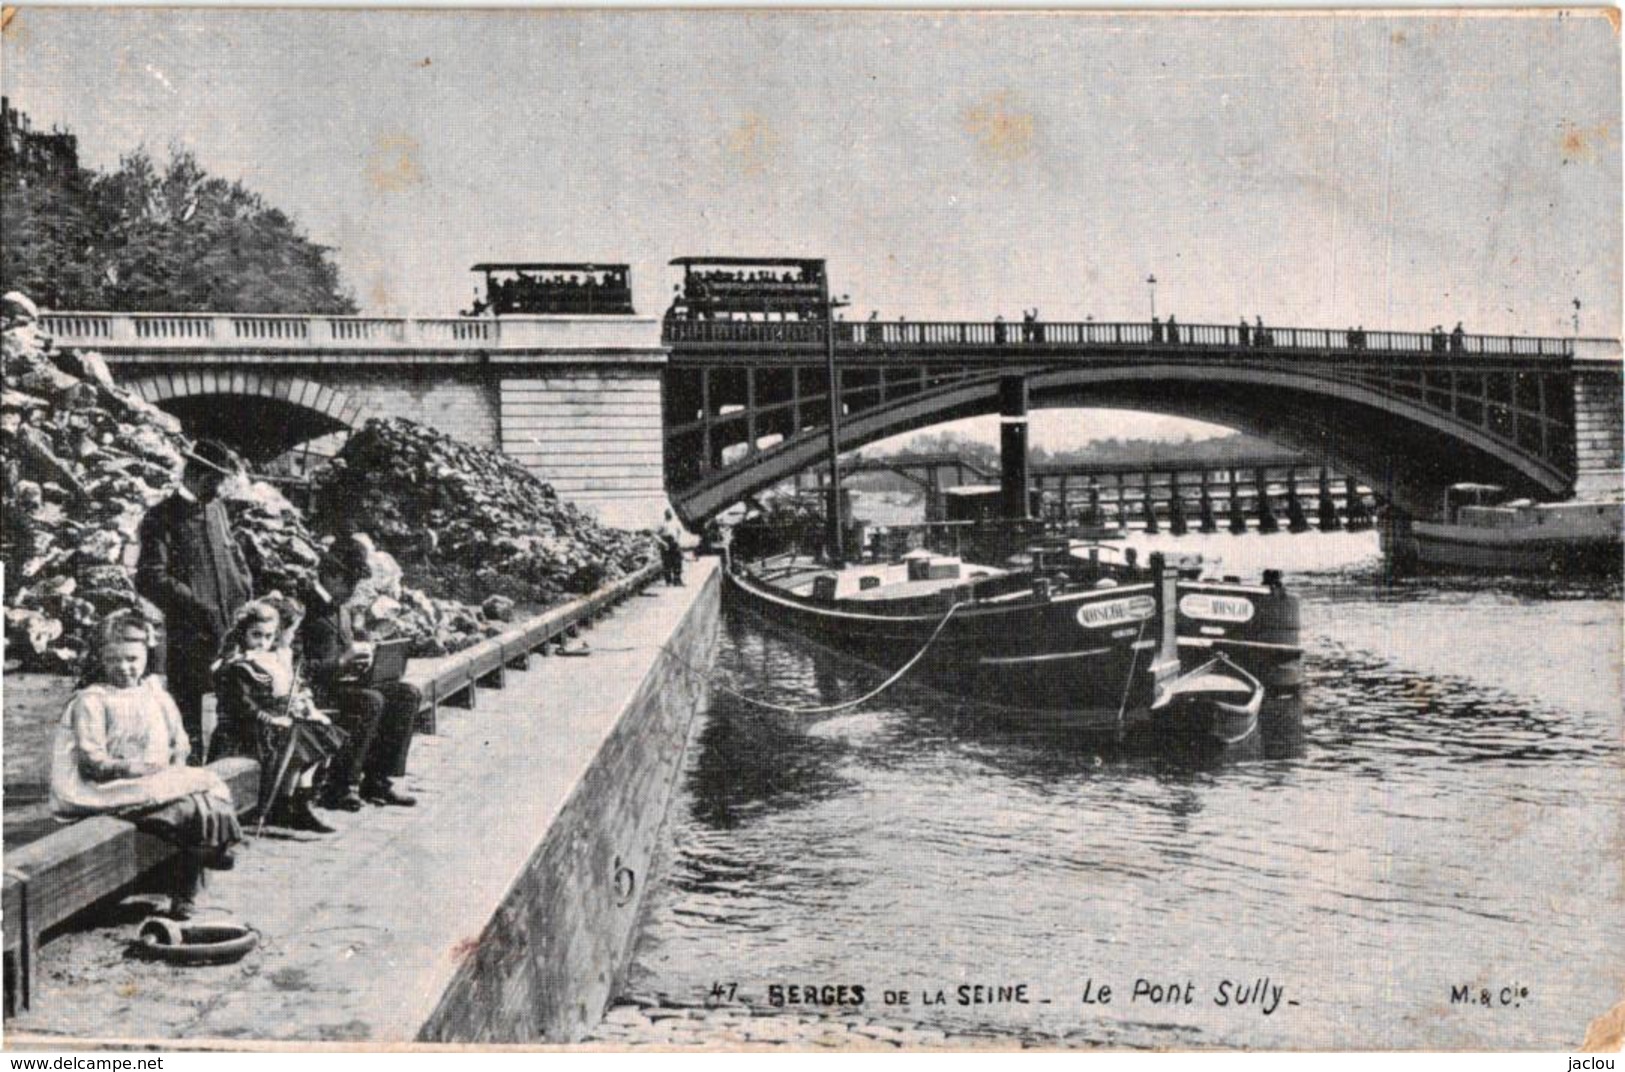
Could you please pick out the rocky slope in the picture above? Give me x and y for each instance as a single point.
(83, 459)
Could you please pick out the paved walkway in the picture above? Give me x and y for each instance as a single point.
(362, 929)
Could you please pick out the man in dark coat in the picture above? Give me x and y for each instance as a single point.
(192, 569)
(379, 718)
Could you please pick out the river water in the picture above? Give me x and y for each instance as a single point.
(1442, 808)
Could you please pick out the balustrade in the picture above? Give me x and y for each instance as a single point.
(271, 328)
(205, 330)
(77, 325)
(361, 329)
(887, 335)
(465, 330)
(173, 328)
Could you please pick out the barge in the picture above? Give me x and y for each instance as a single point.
(1095, 642)
(1478, 532)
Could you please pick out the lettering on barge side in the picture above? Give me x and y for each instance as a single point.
(1211, 608)
(1116, 612)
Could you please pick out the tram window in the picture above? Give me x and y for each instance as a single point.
(555, 289)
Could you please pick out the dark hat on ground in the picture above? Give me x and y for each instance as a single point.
(213, 454)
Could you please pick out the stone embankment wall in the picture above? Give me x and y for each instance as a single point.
(548, 963)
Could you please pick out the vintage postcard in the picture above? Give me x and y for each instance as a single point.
(857, 530)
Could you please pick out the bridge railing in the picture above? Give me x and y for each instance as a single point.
(244, 331)
(1031, 335)
(212, 331)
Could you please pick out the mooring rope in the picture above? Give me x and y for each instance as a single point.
(1128, 682)
(831, 708)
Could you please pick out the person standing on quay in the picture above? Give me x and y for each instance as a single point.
(192, 568)
(671, 549)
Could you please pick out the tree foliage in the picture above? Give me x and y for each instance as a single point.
(168, 238)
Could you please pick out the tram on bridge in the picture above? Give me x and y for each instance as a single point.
(548, 289)
(749, 288)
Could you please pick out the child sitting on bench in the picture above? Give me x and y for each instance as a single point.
(121, 750)
(266, 712)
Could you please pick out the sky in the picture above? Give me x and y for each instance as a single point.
(1398, 170)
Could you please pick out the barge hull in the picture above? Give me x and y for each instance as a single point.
(1080, 659)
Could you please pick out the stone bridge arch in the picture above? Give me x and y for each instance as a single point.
(261, 415)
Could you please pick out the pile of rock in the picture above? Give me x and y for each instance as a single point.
(442, 504)
(283, 555)
(84, 459)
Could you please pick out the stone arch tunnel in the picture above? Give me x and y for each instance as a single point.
(262, 416)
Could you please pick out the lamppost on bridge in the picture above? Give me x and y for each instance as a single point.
(1576, 318)
(1151, 281)
(832, 512)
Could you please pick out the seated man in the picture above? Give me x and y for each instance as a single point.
(379, 718)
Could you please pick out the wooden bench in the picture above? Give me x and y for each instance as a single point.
(19, 962)
(62, 874)
(456, 680)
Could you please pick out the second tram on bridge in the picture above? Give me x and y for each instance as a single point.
(750, 288)
(554, 289)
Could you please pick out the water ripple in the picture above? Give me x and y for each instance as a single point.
(1427, 813)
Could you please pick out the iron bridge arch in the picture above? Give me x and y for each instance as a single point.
(1408, 430)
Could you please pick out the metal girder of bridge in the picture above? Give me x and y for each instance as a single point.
(746, 401)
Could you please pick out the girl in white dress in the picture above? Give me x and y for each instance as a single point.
(121, 750)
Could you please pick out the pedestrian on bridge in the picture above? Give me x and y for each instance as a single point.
(1458, 339)
(193, 570)
(1243, 333)
(1173, 330)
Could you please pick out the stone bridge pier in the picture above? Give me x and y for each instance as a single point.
(1599, 430)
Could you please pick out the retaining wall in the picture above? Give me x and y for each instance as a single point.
(547, 964)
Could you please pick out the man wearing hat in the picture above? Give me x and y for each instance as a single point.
(194, 571)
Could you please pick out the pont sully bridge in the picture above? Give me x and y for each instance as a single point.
(624, 412)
